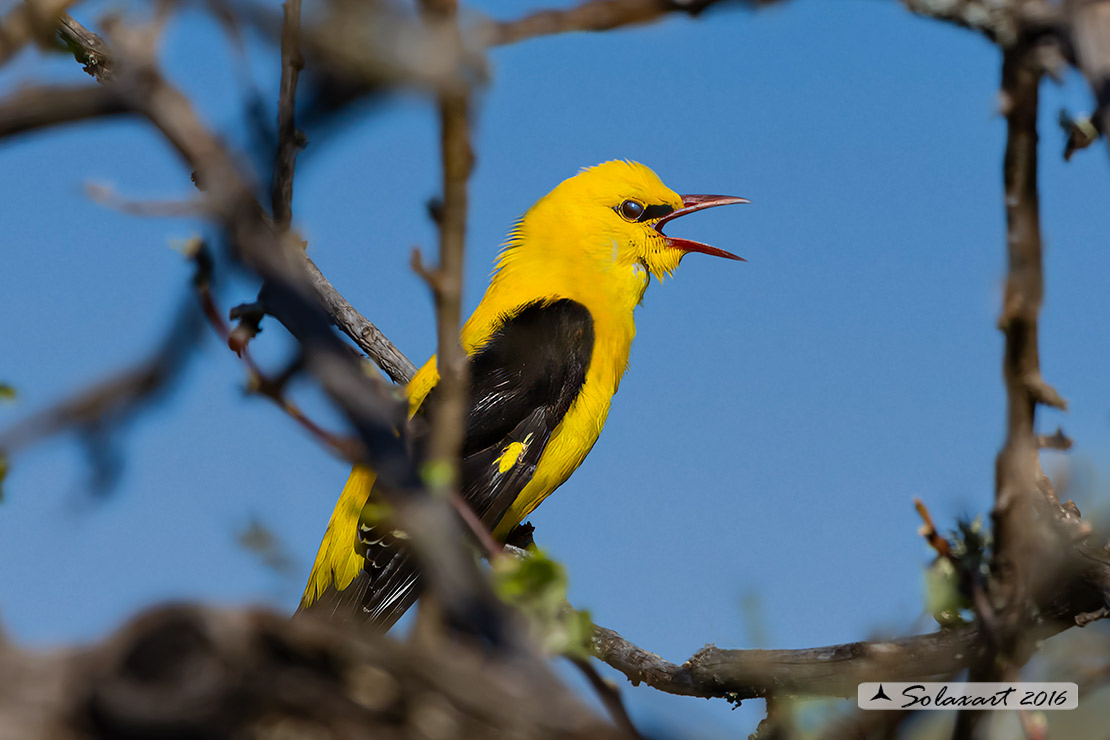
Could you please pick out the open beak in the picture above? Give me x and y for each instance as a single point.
(692, 204)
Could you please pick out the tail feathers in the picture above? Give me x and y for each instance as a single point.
(338, 562)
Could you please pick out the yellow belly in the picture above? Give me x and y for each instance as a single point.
(575, 436)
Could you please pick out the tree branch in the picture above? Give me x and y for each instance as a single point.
(290, 140)
(185, 671)
(41, 107)
(29, 21)
(362, 332)
(448, 414)
(595, 15)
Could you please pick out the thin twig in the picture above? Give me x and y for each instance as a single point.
(445, 437)
(262, 384)
(290, 140)
(929, 532)
(360, 329)
(609, 695)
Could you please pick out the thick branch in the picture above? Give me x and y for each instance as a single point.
(87, 48)
(42, 107)
(28, 21)
(1018, 466)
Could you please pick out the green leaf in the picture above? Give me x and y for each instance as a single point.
(7, 392)
(537, 585)
(942, 593)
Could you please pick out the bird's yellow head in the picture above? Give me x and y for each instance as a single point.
(610, 217)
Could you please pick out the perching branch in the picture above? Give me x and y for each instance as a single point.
(361, 330)
(836, 670)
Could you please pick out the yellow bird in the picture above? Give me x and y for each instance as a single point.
(547, 345)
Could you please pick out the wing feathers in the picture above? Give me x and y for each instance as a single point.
(523, 381)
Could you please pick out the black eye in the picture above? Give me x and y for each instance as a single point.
(631, 210)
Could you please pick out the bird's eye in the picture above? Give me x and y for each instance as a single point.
(631, 210)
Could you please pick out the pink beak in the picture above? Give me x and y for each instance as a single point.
(692, 204)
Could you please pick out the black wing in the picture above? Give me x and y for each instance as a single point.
(522, 382)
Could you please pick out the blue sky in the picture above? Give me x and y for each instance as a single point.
(778, 417)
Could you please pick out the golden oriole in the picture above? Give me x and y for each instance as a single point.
(547, 347)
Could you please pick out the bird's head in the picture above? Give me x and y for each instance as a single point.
(612, 216)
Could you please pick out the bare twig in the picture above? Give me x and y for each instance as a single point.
(610, 697)
(449, 412)
(1056, 441)
(261, 383)
(116, 399)
(835, 670)
(929, 531)
(290, 140)
(360, 329)
(87, 47)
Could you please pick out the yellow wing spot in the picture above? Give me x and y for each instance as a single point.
(510, 456)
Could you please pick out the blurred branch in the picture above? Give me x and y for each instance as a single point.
(594, 15)
(370, 406)
(118, 398)
(290, 140)
(609, 695)
(41, 107)
(448, 414)
(1002, 21)
(91, 49)
(29, 21)
(184, 671)
(259, 382)
(1090, 29)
